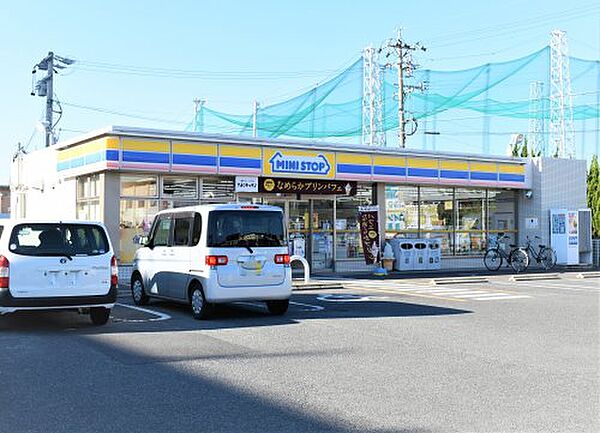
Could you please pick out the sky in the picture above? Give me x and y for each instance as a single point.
(263, 50)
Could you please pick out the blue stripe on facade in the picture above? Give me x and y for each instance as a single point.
(479, 175)
(423, 172)
(203, 160)
(454, 174)
(77, 162)
(95, 157)
(230, 161)
(389, 171)
(134, 156)
(112, 155)
(507, 177)
(63, 165)
(354, 168)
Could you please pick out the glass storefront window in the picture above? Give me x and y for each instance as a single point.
(402, 210)
(136, 218)
(172, 204)
(88, 198)
(217, 190)
(180, 187)
(347, 241)
(139, 186)
(88, 186)
(437, 216)
(298, 227)
(470, 218)
(501, 216)
(322, 234)
(89, 210)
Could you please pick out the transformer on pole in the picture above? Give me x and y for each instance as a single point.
(372, 101)
(562, 131)
(535, 135)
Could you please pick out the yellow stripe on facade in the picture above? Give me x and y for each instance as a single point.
(483, 166)
(422, 163)
(112, 143)
(511, 168)
(353, 158)
(146, 146)
(454, 165)
(88, 148)
(240, 151)
(195, 148)
(389, 161)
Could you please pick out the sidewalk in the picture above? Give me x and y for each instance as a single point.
(394, 275)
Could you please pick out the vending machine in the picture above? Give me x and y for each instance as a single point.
(564, 235)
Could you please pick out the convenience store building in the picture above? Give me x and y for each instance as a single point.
(123, 176)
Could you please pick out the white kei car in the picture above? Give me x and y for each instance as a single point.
(57, 265)
(208, 254)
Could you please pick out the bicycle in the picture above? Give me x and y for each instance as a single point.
(545, 256)
(495, 256)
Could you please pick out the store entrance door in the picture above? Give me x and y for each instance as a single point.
(309, 238)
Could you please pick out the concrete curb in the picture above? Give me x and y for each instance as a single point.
(535, 277)
(316, 286)
(588, 275)
(459, 280)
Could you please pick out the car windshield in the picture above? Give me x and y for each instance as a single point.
(243, 228)
(58, 240)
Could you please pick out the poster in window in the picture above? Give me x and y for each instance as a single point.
(559, 224)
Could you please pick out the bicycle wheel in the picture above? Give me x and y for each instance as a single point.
(519, 260)
(492, 259)
(548, 258)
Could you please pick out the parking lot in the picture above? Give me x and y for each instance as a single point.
(379, 356)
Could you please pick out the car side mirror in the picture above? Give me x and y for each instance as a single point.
(143, 241)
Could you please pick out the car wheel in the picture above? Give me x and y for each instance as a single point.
(137, 291)
(279, 307)
(99, 315)
(201, 309)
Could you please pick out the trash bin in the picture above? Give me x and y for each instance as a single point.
(420, 254)
(434, 260)
(406, 262)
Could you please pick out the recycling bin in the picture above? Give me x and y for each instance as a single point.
(420, 254)
(406, 254)
(434, 260)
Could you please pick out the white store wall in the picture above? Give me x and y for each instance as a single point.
(38, 191)
(556, 183)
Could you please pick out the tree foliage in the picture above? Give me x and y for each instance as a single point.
(593, 195)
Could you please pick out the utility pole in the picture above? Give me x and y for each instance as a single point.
(198, 105)
(45, 87)
(255, 106)
(403, 52)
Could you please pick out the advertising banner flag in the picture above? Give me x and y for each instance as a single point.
(368, 217)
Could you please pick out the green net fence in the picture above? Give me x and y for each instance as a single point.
(474, 110)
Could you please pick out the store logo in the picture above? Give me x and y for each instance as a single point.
(299, 164)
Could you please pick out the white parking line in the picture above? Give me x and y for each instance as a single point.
(312, 307)
(159, 316)
(499, 296)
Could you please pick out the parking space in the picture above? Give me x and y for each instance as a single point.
(375, 356)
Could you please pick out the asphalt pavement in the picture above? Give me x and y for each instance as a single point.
(377, 356)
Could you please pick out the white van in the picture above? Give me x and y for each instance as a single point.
(47, 265)
(202, 255)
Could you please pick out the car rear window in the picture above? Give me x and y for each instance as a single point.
(243, 228)
(58, 240)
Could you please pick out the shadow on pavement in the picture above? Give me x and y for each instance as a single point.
(235, 315)
(80, 384)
